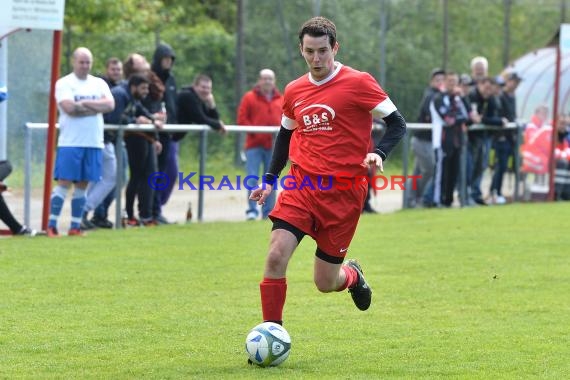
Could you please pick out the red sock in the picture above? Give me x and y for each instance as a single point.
(351, 278)
(273, 292)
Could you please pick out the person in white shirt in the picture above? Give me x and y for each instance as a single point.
(82, 99)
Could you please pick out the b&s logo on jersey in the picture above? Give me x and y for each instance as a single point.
(317, 117)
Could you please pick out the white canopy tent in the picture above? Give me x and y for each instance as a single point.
(537, 87)
(538, 71)
(546, 81)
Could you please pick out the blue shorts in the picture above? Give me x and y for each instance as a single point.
(78, 164)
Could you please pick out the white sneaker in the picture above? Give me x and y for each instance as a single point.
(251, 215)
(500, 200)
(25, 231)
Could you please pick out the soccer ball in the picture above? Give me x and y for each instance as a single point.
(268, 344)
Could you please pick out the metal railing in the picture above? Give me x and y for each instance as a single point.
(121, 129)
(205, 129)
(485, 130)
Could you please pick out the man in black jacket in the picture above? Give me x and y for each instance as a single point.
(503, 141)
(485, 110)
(196, 105)
(449, 116)
(142, 147)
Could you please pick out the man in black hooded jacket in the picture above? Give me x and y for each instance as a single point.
(162, 62)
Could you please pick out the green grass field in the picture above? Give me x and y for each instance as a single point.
(473, 293)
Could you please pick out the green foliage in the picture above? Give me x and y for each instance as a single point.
(176, 302)
(206, 48)
(109, 15)
(203, 34)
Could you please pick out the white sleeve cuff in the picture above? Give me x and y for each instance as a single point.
(384, 108)
(288, 123)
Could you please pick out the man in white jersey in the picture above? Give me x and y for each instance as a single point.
(82, 99)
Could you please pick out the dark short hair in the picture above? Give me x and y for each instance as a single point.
(138, 79)
(201, 78)
(317, 27)
(485, 80)
(436, 71)
(112, 61)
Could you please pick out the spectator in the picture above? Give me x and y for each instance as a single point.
(508, 100)
(449, 117)
(260, 106)
(196, 105)
(535, 150)
(138, 64)
(479, 69)
(6, 215)
(135, 63)
(424, 159)
(162, 63)
(99, 194)
(142, 147)
(150, 108)
(503, 141)
(113, 77)
(465, 83)
(485, 110)
(562, 156)
(82, 99)
(98, 191)
(113, 72)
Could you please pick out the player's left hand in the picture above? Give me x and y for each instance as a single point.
(261, 194)
(374, 161)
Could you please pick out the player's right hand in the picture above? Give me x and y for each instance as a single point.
(261, 193)
(374, 161)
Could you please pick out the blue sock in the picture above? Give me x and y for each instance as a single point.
(77, 205)
(56, 204)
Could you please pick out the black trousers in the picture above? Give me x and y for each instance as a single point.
(142, 163)
(7, 217)
(450, 174)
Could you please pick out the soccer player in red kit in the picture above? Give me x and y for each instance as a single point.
(325, 132)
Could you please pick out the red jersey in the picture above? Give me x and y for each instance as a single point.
(332, 120)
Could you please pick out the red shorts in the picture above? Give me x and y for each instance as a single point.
(328, 213)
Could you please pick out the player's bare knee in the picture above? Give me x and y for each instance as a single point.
(277, 259)
(324, 285)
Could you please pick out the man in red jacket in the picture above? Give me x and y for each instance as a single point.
(261, 106)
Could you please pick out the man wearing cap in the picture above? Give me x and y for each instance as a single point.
(508, 100)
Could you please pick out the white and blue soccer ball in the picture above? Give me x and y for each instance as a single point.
(268, 344)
